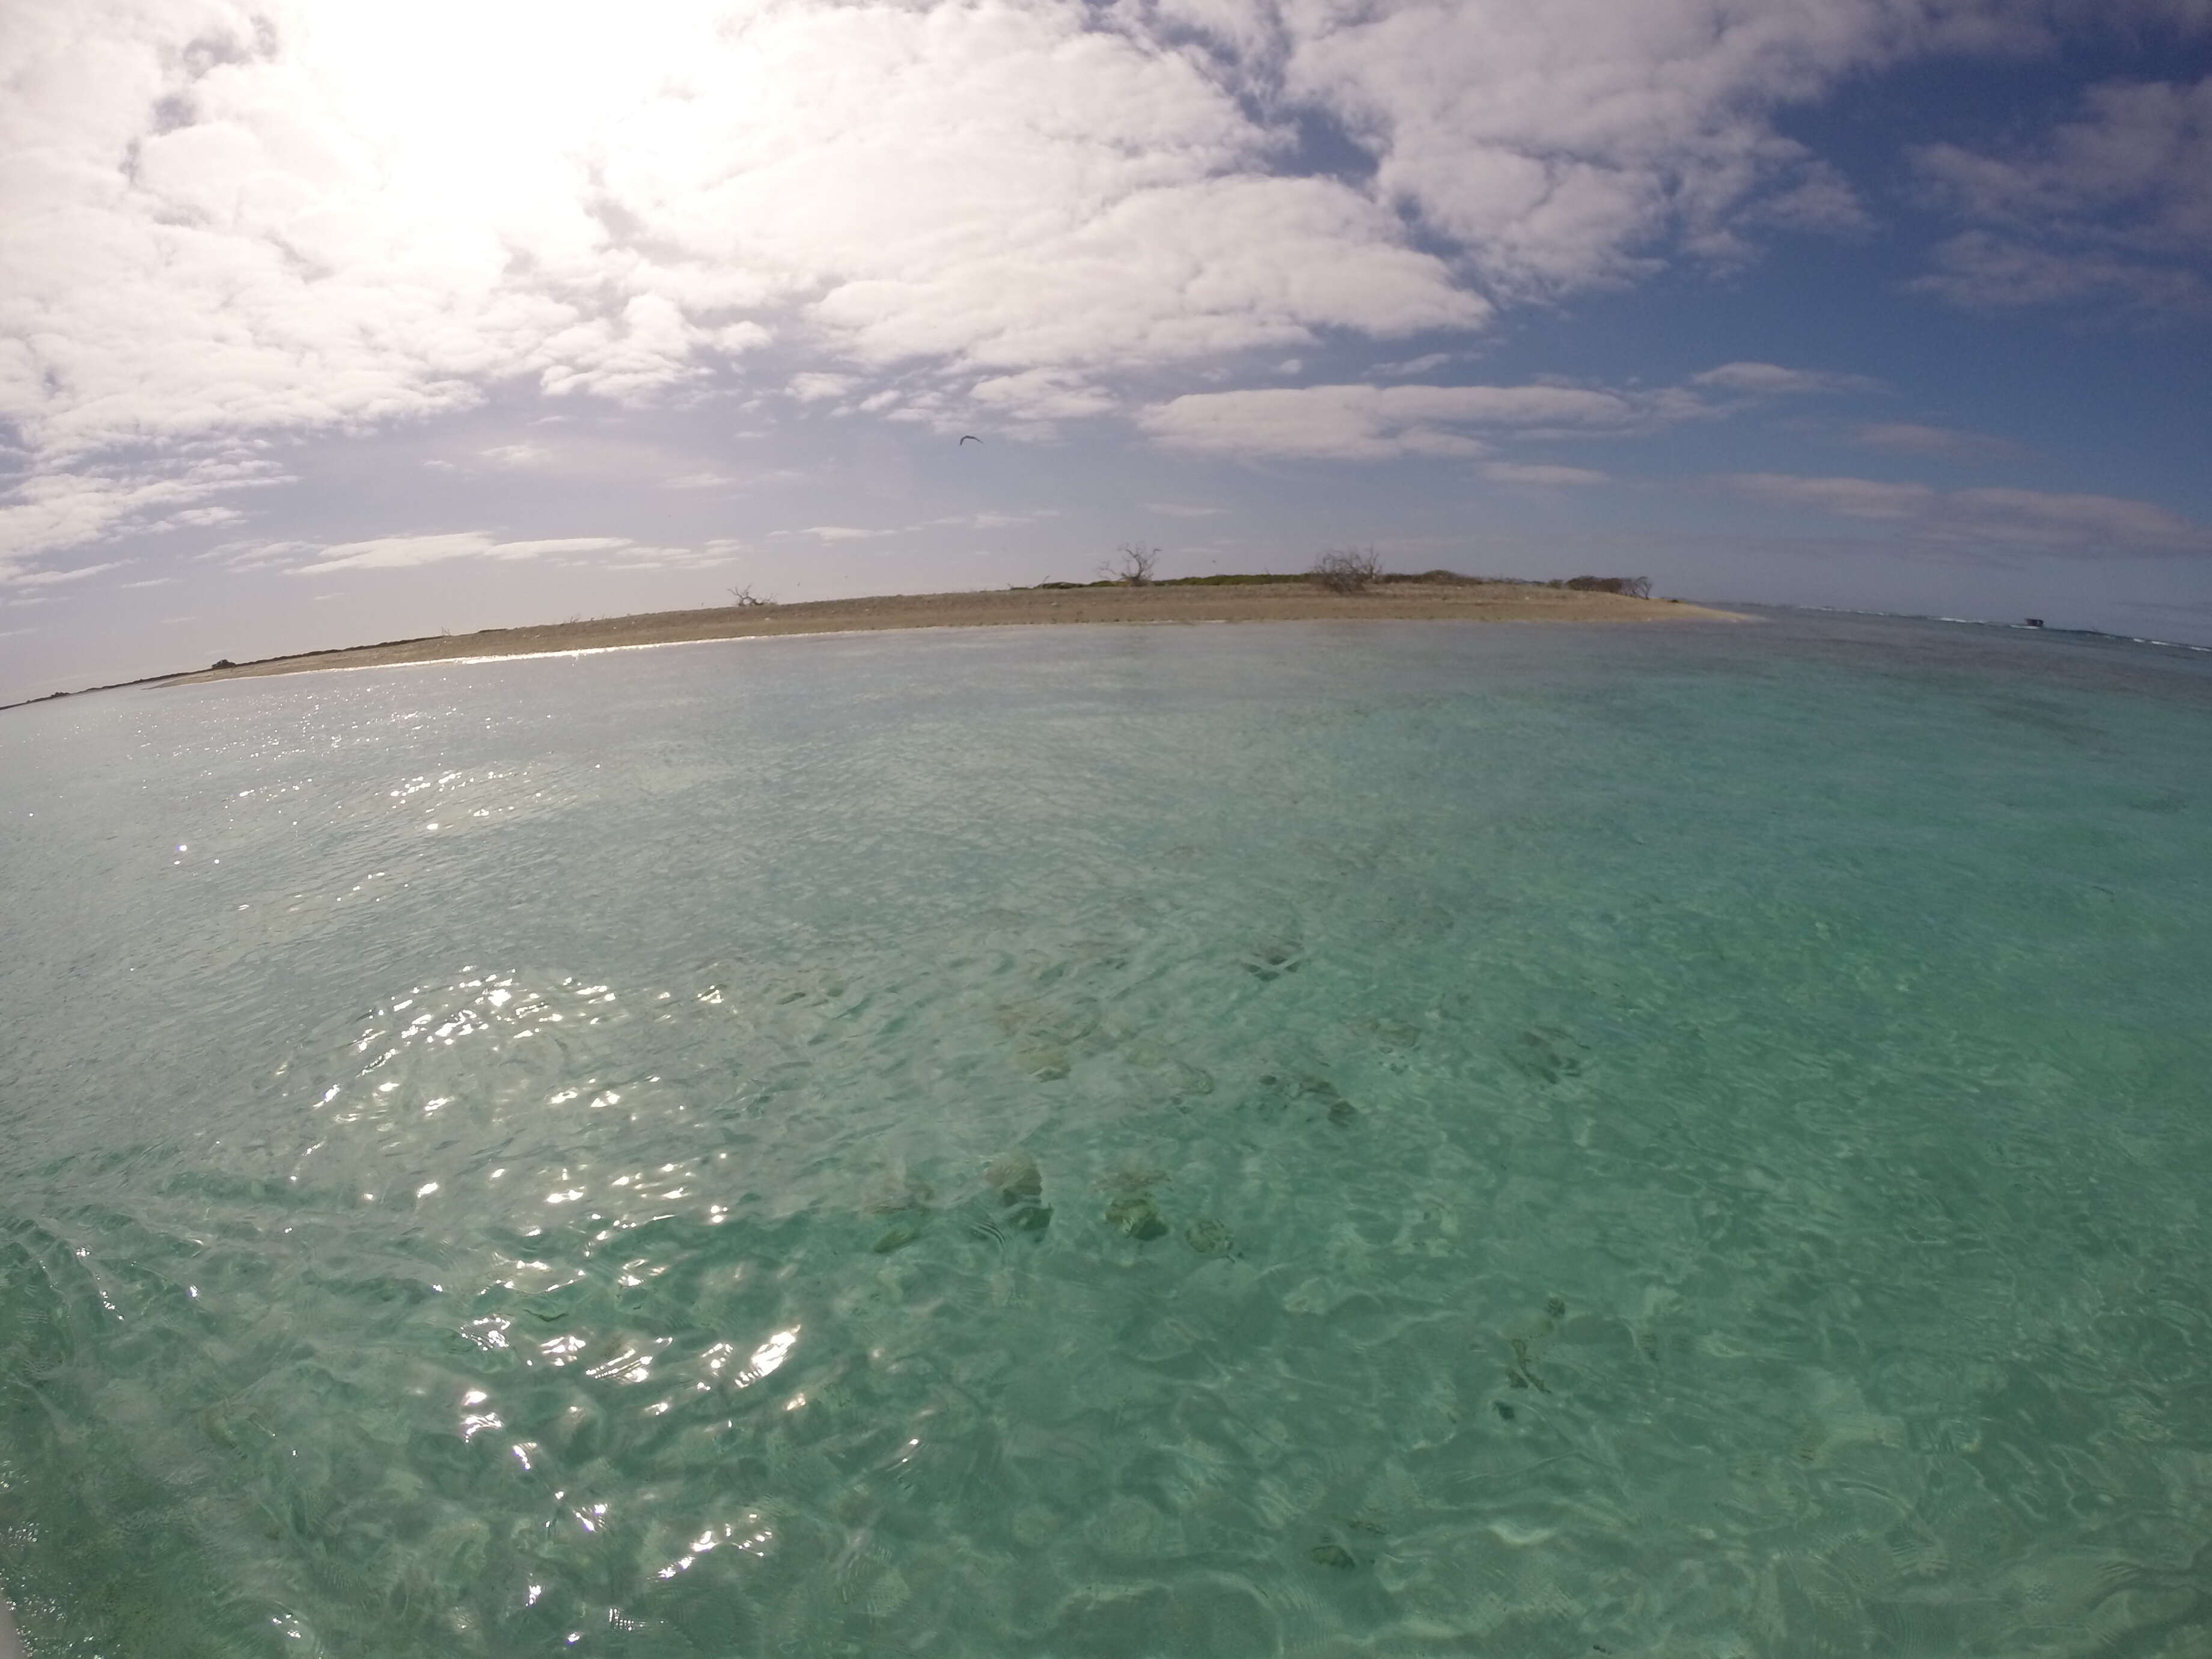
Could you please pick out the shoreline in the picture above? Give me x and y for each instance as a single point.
(1461, 601)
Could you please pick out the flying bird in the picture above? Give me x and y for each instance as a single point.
(968, 438)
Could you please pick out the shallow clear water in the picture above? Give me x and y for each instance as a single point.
(1680, 1141)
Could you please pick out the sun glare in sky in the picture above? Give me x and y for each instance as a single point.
(326, 322)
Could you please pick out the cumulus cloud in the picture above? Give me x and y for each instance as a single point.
(1583, 142)
(1041, 394)
(230, 218)
(2084, 524)
(2117, 204)
(814, 387)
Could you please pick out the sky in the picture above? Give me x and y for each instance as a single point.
(323, 323)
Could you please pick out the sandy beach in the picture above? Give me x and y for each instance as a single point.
(1458, 601)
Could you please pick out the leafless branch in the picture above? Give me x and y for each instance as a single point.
(1131, 565)
(1347, 570)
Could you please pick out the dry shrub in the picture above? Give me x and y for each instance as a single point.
(1636, 587)
(1131, 565)
(1347, 570)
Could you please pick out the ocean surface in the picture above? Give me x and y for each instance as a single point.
(1389, 1140)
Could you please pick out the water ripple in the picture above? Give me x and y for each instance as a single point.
(1140, 1146)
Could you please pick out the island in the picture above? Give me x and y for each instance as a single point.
(1431, 596)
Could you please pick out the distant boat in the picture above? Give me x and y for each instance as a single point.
(2035, 622)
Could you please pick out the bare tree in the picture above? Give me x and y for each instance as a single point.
(1131, 565)
(743, 596)
(1347, 570)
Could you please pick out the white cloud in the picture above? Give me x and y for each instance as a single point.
(989, 520)
(517, 455)
(256, 554)
(814, 388)
(1819, 199)
(1572, 143)
(1368, 423)
(1853, 498)
(1518, 472)
(1041, 394)
(1180, 272)
(65, 506)
(836, 532)
(228, 220)
(1910, 438)
(1412, 367)
(2069, 519)
(1773, 380)
(57, 578)
(406, 552)
(2080, 524)
(1978, 268)
(2115, 204)
(2142, 147)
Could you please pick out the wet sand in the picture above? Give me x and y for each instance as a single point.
(1461, 601)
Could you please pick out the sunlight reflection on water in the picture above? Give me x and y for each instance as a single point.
(1301, 1139)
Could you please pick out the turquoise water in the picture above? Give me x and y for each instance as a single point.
(1313, 1140)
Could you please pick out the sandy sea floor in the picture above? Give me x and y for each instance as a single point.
(1287, 602)
(1251, 1143)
